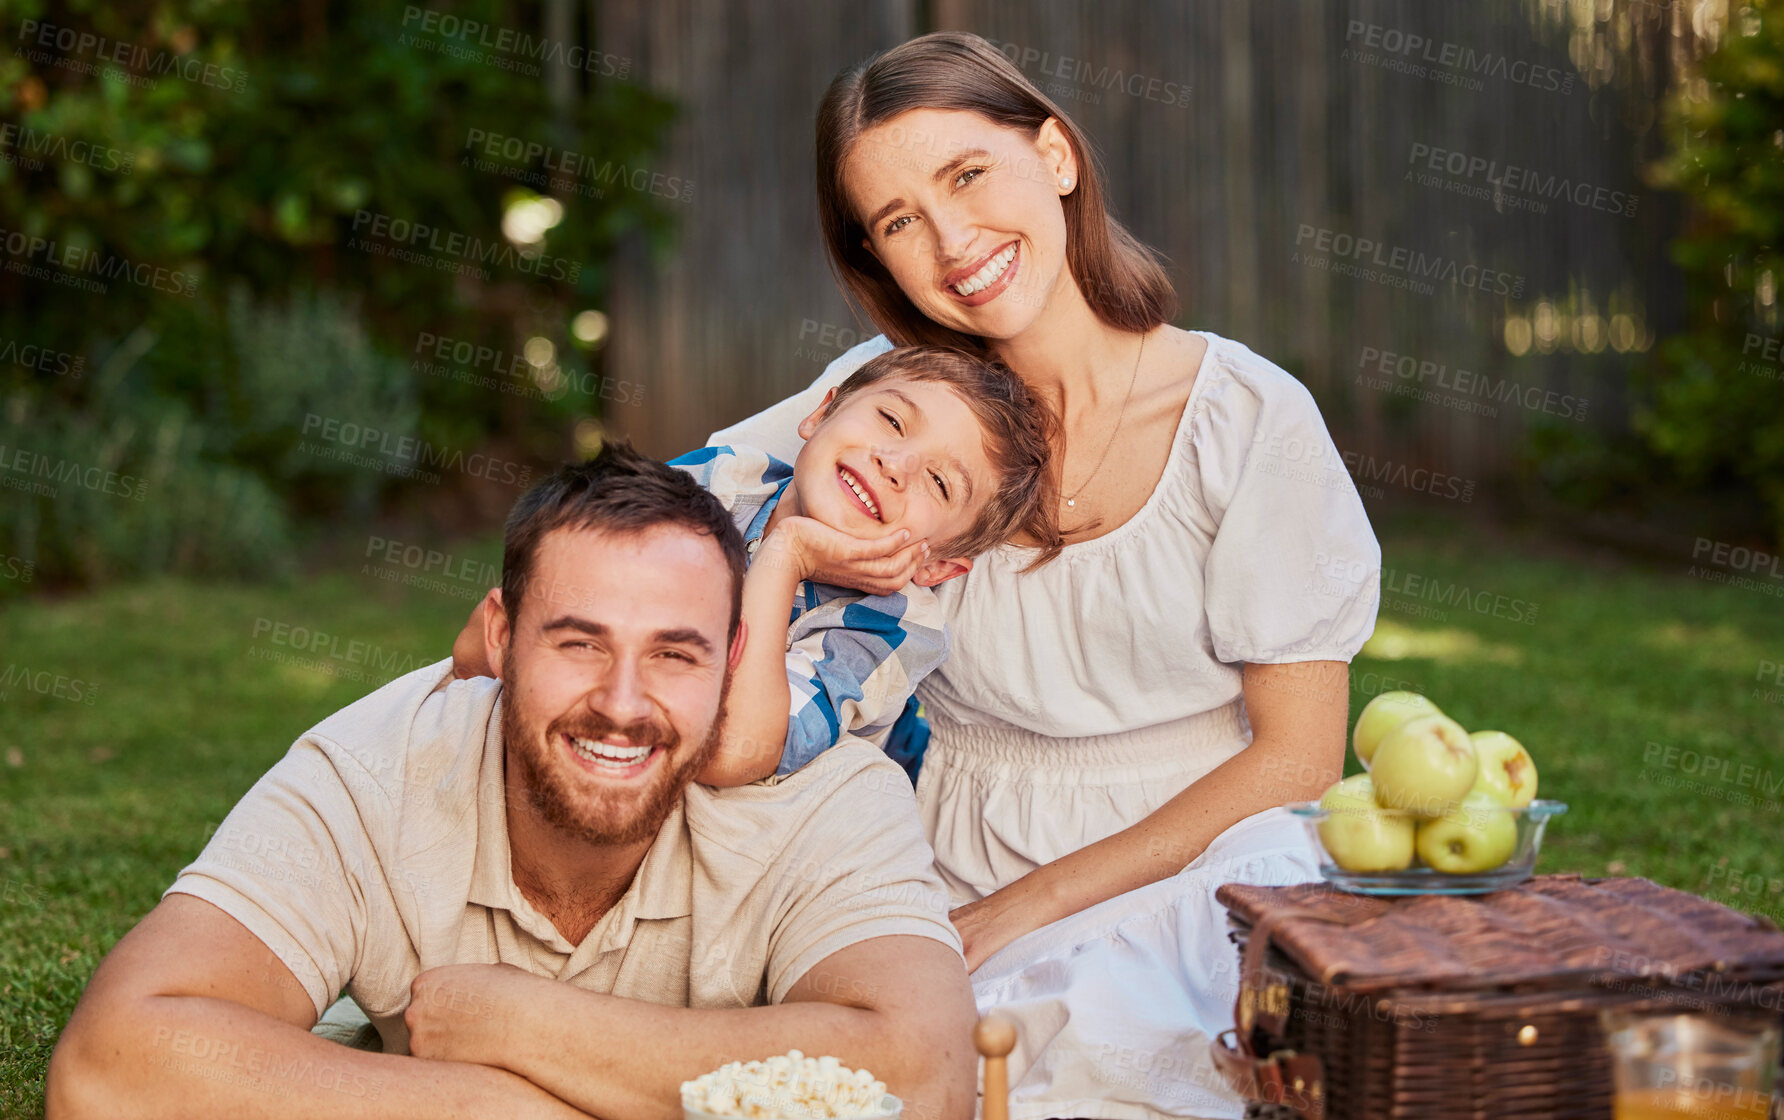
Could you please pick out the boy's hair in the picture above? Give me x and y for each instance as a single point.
(618, 491)
(1018, 429)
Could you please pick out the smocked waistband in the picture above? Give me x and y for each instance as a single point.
(1178, 744)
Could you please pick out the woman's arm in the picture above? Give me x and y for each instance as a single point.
(1298, 714)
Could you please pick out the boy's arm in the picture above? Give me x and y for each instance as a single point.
(852, 671)
(470, 656)
(760, 697)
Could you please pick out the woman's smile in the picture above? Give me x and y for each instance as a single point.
(985, 279)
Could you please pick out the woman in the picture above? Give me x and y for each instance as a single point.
(1116, 730)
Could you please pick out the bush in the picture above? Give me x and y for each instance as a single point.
(258, 187)
(1716, 408)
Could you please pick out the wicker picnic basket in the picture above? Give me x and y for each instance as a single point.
(1482, 1006)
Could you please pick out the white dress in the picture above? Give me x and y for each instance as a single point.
(1085, 694)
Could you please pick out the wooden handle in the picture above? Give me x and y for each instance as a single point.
(994, 1038)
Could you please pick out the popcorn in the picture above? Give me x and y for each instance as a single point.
(787, 1086)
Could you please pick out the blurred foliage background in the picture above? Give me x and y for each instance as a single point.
(248, 177)
(260, 156)
(1715, 412)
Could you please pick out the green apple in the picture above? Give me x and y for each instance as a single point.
(1506, 769)
(1381, 715)
(1360, 835)
(1424, 766)
(1477, 835)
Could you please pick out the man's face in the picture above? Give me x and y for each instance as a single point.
(614, 676)
(896, 455)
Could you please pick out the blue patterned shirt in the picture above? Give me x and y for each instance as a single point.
(853, 659)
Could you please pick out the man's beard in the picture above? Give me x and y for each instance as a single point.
(605, 816)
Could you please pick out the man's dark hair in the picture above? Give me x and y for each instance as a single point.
(618, 491)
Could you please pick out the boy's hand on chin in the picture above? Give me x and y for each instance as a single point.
(876, 565)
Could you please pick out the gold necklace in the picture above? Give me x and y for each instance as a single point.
(1072, 499)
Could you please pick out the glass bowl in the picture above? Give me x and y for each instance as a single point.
(1423, 879)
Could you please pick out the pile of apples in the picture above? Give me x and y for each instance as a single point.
(1431, 789)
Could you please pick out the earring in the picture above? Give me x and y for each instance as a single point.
(1065, 181)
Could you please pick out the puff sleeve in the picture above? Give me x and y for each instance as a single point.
(1294, 571)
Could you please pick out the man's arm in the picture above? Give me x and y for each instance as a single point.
(190, 1015)
(898, 1006)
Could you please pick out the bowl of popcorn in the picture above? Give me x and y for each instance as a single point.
(788, 1086)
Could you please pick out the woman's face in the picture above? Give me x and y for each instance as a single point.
(965, 214)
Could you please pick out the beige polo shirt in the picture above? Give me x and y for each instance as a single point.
(377, 848)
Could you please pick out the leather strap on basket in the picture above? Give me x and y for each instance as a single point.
(1280, 1076)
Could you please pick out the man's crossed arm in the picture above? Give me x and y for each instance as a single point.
(190, 1015)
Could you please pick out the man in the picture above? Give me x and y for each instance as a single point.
(518, 883)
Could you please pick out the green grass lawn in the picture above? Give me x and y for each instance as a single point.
(169, 710)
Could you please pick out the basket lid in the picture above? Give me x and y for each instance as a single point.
(1551, 931)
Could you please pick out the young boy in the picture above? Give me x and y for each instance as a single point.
(923, 440)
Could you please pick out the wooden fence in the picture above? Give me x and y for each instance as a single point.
(1492, 153)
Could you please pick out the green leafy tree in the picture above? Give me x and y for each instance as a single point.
(1716, 410)
(263, 157)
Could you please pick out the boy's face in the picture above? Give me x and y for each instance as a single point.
(913, 450)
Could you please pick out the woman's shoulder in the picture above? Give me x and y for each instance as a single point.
(1243, 402)
(1242, 381)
